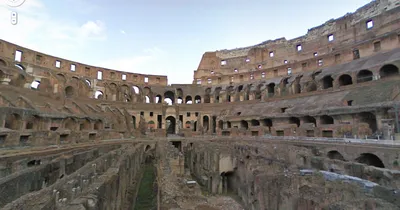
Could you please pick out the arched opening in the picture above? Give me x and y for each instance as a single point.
(20, 67)
(147, 99)
(327, 82)
(88, 83)
(168, 101)
(370, 119)
(35, 85)
(244, 124)
(309, 119)
(195, 126)
(240, 88)
(388, 71)
(180, 100)
(13, 121)
(271, 89)
(188, 100)
(311, 86)
(147, 148)
(188, 124)
(326, 120)
(3, 63)
(214, 124)
(258, 92)
(229, 182)
(197, 99)
(169, 97)
(370, 159)
(267, 122)
(335, 155)
(69, 91)
(364, 76)
(136, 89)
(255, 122)
(228, 124)
(216, 94)
(98, 94)
(345, 79)
(207, 95)
(69, 123)
(206, 123)
(151, 125)
(158, 99)
(134, 122)
(98, 125)
(294, 120)
(171, 124)
(85, 125)
(221, 124)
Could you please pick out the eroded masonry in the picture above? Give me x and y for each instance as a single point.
(279, 125)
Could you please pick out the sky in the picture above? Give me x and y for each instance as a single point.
(158, 36)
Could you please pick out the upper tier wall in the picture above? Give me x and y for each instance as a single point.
(30, 58)
(371, 22)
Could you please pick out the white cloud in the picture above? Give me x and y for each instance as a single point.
(122, 32)
(38, 30)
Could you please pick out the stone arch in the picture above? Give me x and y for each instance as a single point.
(136, 89)
(158, 99)
(85, 125)
(221, 124)
(345, 79)
(99, 94)
(309, 119)
(197, 99)
(18, 80)
(311, 86)
(370, 159)
(244, 124)
(13, 121)
(327, 82)
(255, 122)
(32, 123)
(147, 99)
(69, 91)
(98, 125)
(364, 76)
(20, 67)
(2, 63)
(271, 89)
(188, 100)
(207, 97)
(216, 94)
(258, 93)
(388, 70)
(294, 120)
(169, 97)
(69, 124)
(326, 120)
(88, 82)
(60, 77)
(147, 148)
(335, 155)
(188, 124)
(171, 124)
(370, 119)
(206, 123)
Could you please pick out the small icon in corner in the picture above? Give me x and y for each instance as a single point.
(14, 18)
(14, 3)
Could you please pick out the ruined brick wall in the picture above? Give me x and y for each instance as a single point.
(372, 28)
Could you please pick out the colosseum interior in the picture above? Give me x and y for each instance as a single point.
(307, 123)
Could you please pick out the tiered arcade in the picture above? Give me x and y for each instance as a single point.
(339, 80)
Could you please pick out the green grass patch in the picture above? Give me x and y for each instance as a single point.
(147, 194)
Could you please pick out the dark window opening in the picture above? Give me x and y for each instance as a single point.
(188, 114)
(280, 133)
(283, 110)
(377, 46)
(23, 140)
(141, 113)
(151, 114)
(327, 134)
(350, 103)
